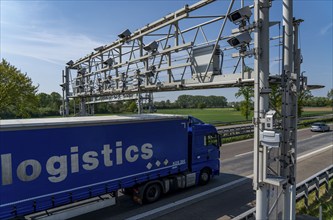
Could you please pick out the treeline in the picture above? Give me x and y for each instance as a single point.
(43, 105)
(48, 104)
(115, 107)
(318, 101)
(194, 101)
(183, 101)
(19, 97)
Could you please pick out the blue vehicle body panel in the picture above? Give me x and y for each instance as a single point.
(202, 155)
(43, 168)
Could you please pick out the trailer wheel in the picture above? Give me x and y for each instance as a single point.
(204, 177)
(152, 193)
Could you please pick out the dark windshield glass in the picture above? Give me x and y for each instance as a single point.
(195, 121)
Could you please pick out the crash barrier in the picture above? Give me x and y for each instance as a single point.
(303, 190)
(249, 129)
(236, 131)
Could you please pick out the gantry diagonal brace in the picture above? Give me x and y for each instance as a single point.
(167, 20)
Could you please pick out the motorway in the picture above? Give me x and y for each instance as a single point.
(229, 194)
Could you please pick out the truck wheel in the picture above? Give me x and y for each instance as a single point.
(152, 193)
(204, 177)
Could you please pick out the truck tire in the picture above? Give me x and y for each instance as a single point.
(204, 177)
(152, 193)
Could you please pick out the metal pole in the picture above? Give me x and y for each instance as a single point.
(139, 104)
(261, 69)
(63, 94)
(296, 90)
(242, 58)
(66, 107)
(151, 102)
(83, 111)
(289, 113)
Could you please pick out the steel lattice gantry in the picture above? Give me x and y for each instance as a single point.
(166, 55)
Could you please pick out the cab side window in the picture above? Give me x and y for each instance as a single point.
(211, 139)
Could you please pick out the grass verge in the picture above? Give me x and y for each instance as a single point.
(237, 138)
(208, 115)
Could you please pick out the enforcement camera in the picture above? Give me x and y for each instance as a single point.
(240, 39)
(70, 63)
(125, 34)
(151, 47)
(108, 62)
(98, 48)
(239, 15)
(82, 71)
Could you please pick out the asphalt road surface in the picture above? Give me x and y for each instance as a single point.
(227, 195)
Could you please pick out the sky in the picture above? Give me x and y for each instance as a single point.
(40, 37)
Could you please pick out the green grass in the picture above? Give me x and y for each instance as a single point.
(237, 138)
(208, 115)
(211, 115)
(315, 113)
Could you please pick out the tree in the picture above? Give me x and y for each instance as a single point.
(17, 94)
(49, 105)
(275, 97)
(43, 99)
(330, 97)
(302, 96)
(247, 93)
(56, 100)
(248, 69)
(132, 107)
(189, 101)
(201, 105)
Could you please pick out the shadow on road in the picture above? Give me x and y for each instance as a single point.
(215, 200)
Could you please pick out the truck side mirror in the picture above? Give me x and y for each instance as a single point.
(219, 140)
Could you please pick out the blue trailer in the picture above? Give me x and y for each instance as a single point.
(47, 163)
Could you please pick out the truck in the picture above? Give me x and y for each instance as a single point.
(48, 163)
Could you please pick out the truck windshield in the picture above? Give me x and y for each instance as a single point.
(195, 121)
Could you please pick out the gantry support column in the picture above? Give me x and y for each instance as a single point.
(261, 100)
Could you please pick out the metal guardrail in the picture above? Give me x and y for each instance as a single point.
(236, 131)
(223, 123)
(313, 183)
(249, 129)
(304, 122)
(303, 190)
(307, 117)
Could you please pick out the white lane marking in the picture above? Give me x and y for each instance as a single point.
(237, 142)
(243, 154)
(299, 158)
(316, 135)
(314, 152)
(250, 152)
(177, 203)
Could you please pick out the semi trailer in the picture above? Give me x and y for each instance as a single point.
(48, 163)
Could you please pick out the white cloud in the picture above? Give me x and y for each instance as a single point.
(29, 33)
(40, 45)
(51, 47)
(326, 29)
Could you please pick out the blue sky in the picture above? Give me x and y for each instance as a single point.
(39, 37)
